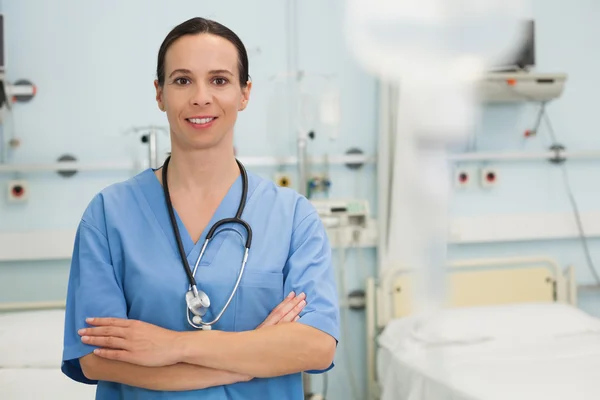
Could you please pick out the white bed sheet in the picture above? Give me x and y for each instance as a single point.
(31, 339)
(30, 358)
(519, 364)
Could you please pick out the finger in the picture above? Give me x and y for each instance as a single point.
(274, 314)
(294, 312)
(297, 318)
(106, 341)
(289, 306)
(104, 331)
(108, 322)
(284, 302)
(117, 355)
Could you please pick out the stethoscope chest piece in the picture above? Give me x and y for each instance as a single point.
(197, 303)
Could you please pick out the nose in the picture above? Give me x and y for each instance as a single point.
(201, 95)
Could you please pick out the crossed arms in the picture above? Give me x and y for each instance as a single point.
(144, 355)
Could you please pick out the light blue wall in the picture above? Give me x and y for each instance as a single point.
(94, 63)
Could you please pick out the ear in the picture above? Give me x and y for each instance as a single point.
(159, 93)
(245, 96)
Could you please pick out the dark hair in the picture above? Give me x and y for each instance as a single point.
(197, 26)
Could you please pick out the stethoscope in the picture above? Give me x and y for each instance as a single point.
(197, 301)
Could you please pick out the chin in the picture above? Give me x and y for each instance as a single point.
(205, 142)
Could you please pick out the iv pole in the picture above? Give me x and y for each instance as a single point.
(294, 77)
(150, 137)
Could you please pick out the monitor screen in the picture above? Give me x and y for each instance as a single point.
(524, 57)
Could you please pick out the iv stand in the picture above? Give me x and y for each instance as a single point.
(150, 137)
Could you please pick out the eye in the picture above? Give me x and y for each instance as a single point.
(181, 81)
(220, 81)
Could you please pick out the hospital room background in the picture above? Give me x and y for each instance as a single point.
(92, 64)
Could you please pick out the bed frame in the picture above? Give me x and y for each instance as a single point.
(475, 282)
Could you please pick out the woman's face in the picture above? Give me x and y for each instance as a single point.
(201, 93)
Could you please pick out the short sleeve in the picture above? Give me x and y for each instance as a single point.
(309, 269)
(93, 291)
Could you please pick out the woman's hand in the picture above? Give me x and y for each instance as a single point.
(287, 311)
(131, 341)
(144, 344)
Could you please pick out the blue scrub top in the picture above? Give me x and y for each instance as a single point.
(126, 264)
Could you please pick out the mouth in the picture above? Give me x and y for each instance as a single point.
(201, 122)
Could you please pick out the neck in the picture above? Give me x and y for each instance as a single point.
(201, 172)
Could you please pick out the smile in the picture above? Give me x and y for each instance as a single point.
(203, 122)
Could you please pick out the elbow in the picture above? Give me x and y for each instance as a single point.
(325, 353)
(89, 366)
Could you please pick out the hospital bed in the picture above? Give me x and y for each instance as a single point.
(509, 329)
(31, 339)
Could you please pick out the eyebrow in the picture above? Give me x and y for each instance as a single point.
(180, 71)
(187, 71)
(220, 71)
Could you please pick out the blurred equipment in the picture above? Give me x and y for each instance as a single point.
(150, 137)
(20, 91)
(507, 87)
(318, 183)
(523, 58)
(348, 227)
(341, 213)
(348, 222)
(315, 111)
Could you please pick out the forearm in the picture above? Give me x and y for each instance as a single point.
(266, 352)
(178, 377)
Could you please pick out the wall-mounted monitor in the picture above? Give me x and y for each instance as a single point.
(523, 59)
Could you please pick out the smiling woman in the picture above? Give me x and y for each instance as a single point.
(202, 63)
(128, 327)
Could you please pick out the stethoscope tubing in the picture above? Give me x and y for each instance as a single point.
(191, 275)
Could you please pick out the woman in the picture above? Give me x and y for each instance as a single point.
(127, 325)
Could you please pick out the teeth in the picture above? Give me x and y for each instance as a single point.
(200, 120)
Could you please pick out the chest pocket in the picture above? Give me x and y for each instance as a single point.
(258, 294)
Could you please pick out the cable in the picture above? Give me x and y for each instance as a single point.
(576, 212)
(543, 114)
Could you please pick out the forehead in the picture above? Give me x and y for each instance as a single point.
(201, 53)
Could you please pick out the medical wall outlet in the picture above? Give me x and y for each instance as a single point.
(318, 184)
(488, 177)
(283, 180)
(18, 191)
(463, 178)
